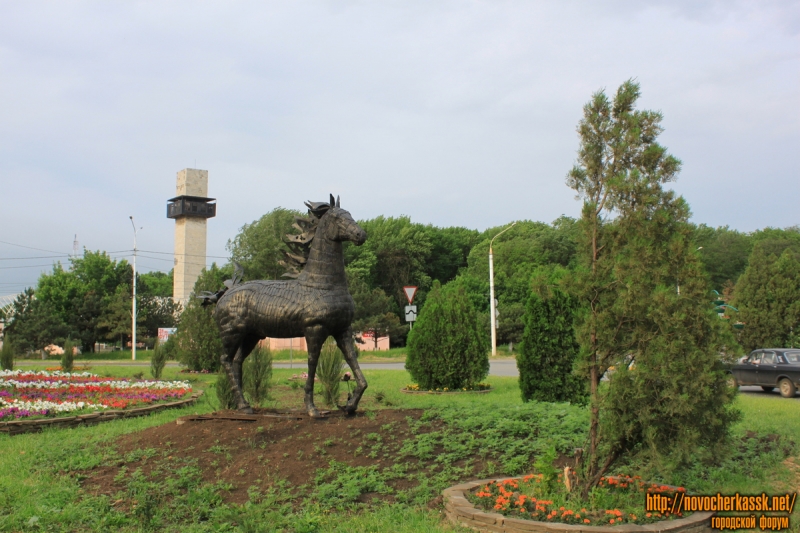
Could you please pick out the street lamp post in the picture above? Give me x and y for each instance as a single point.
(133, 303)
(493, 309)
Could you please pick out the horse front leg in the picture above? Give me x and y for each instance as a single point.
(234, 373)
(241, 354)
(345, 342)
(315, 337)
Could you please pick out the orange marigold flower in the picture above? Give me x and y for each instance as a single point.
(586, 520)
(611, 521)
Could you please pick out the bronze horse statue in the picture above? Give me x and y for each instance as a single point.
(315, 305)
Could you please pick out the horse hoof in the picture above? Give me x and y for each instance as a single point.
(314, 413)
(246, 410)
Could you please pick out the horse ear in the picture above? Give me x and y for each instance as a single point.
(337, 202)
(317, 208)
(333, 201)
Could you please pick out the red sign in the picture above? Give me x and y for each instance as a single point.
(410, 292)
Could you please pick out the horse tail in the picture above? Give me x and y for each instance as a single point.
(211, 298)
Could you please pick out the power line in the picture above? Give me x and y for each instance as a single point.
(32, 257)
(186, 255)
(172, 261)
(27, 266)
(31, 248)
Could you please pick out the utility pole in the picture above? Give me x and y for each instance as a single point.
(133, 302)
(492, 304)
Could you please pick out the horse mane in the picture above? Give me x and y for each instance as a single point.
(300, 244)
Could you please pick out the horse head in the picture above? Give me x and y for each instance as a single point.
(336, 223)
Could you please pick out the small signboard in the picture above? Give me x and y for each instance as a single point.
(410, 292)
(165, 333)
(411, 313)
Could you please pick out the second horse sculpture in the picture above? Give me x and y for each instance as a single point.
(315, 305)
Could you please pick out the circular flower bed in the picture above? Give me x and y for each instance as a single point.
(25, 394)
(621, 500)
(479, 387)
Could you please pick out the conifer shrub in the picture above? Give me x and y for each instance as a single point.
(257, 375)
(224, 391)
(549, 348)
(7, 354)
(68, 357)
(330, 369)
(198, 342)
(159, 359)
(448, 346)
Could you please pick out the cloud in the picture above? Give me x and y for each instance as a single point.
(455, 113)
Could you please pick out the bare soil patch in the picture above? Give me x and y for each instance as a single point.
(262, 452)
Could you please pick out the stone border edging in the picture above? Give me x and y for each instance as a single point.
(17, 427)
(484, 391)
(460, 510)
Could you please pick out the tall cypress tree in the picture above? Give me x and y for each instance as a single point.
(768, 297)
(549, 349)
(646, 299)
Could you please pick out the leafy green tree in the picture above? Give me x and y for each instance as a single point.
(155, 312)
(7, 354)
(396, 254)
(155, 283)
(450, 248)
(636, 244)
(516, 255)
(447, 346)
(549, 349)
(115, 322)
(78, 296)
(768, 295)
(510, 323)
(776, 240)
(35, 323)
(259, 246)
(197, 339)
(724, 253)
(375, 313)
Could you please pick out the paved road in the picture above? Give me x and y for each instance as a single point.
(756, 391)
(502, 367)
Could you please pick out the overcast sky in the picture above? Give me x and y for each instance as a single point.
(454, 113)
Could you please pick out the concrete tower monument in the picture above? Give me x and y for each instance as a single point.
(190, 209)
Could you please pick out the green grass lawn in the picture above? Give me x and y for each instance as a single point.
(40, 473)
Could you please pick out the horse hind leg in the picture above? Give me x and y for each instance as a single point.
(247, 346)
(347, 346)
